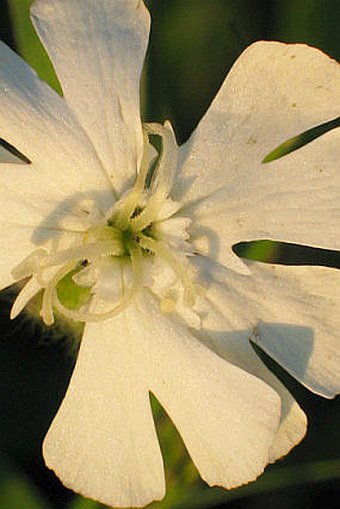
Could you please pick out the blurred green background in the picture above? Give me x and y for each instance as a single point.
(193, 44)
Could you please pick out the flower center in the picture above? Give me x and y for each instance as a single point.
(140, 239)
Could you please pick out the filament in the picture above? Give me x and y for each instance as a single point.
(123, 303)
(128, 234)
(190, 291)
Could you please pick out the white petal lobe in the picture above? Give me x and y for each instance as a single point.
(291, 314)
(273, 92)
(228, 333)
(105, 41)
(102, 443)
(226, 417)
(294, 199)
(38, 122)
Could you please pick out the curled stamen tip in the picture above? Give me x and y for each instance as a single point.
(47, 316)
(14, 312)
(48, 321)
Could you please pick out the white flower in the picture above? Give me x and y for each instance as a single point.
(171, 308)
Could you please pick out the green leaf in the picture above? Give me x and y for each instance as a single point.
(16, 492)
(299, 141)
(274, 479)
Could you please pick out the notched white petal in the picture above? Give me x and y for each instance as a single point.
(235, 415)
(292, 315)
(103, 443)
(226, 330)
(105, 41)
(160, 335)
(38, 122)
(294, 199)
(293, 88)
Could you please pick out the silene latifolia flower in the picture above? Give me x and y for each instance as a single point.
(148, 236)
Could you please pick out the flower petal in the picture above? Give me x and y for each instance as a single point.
(16, 244)
(32, 208)
(64, 170)
(97, 49)
(226, 417)
(227, 333)
(294, 199)
(46, 206)
(291, 314)
(293, 426)
(37, 121)
(102, 442)
(311, 351)
(7, 157)
(273, 92)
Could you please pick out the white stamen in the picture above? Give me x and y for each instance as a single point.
(29, 290)
(167, 162)
(47, 304)
(86, 252)
(190, 287)
(130, 202)
(148, 214)
(130, 234)
(86, 277)
(136, 262)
